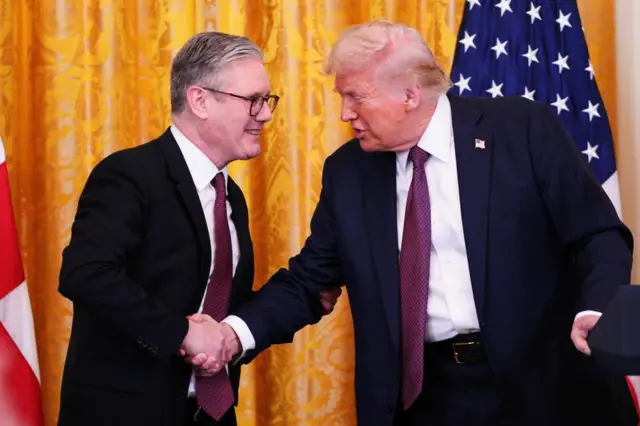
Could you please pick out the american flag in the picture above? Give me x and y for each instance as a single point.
(537, 49)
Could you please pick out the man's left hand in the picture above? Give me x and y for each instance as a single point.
(329, 298)
(580, 331)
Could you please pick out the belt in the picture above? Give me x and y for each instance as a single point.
(464, 349)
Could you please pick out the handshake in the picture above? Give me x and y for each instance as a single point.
(209, 345)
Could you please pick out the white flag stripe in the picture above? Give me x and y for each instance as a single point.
(612, 188)
(17, 319)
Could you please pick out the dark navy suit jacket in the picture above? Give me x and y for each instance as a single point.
(543, 243)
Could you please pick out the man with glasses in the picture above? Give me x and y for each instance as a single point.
(160, 252)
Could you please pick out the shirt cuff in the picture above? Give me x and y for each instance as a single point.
(583, 313)
(247, 341)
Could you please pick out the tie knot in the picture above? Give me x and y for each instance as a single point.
(218, 184)
(418, 156)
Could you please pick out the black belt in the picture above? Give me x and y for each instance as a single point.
(463, 348)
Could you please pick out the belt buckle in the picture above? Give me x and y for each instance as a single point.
(456, 355)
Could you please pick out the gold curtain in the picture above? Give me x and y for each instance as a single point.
(81, 79)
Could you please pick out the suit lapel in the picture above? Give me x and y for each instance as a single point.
(240, 218)
(474, 148)
(379, 183)
(189, 196)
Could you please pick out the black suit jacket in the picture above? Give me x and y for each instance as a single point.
(535, 222)
(136, 266)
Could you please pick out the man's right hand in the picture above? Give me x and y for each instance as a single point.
(206, 336)
(209, 366)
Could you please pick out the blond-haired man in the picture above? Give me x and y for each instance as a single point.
(457, 226)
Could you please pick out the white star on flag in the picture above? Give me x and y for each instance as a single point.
(592, 110)
(504, 6)
(534, 13)
(531, 55)
(495, 90)
(500, 47)
(473, 3)
(591, 152)
(563, 21)
(528, 94)
(467, 41)
(463, 84)
(561, 104)
(590, 70)
(561, 62)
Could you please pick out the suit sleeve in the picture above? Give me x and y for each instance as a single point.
(290, 300)
(106, 232)
(599, 245)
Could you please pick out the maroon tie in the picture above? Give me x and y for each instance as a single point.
(214, 393)
(414, 277)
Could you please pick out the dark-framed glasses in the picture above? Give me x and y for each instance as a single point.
(256, 102)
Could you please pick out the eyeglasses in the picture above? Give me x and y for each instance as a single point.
(257, 102)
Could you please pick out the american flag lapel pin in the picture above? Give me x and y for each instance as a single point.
(480, 144)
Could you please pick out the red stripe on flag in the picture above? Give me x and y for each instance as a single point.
(19, 388)
(12, 273)
(634, 396)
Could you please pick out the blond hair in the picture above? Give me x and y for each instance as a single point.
(400, 50)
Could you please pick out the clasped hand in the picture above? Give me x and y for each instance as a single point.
(209, 345)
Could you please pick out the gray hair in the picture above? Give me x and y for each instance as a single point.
(202, 58)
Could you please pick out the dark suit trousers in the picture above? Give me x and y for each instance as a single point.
(195, 417)
(455, 394)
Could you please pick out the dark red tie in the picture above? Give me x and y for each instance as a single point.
(415, 256)
(215, 395)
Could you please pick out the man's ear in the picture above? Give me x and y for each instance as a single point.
(198, 101)
(412, 97)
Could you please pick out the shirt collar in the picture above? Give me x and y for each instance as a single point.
(200, 166)
(437, 138)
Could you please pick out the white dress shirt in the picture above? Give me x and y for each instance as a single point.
(450, 307)
(202, 172)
